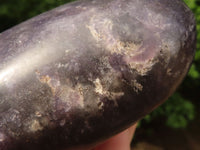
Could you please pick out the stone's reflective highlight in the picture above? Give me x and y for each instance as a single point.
(78, 74)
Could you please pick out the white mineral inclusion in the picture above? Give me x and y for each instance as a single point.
(99, 87)
(101, 30)
(35, 126)
(102, 91)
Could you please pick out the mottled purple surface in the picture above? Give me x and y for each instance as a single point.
(87, 70)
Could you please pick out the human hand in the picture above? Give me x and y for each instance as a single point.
(120, 141)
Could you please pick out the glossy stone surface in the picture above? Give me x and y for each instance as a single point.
(85, 71)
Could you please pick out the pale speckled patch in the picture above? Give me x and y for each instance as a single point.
(66, 93)
(169, 71)
(144, 67)
(38, 114)
(102, 33)
(35, 126)
(80, 88)
(67, 51)
(48, 80)
(137, 87)
(99, 89)
(101, 30)
(60, 65)
(127, 48)
(101, 104)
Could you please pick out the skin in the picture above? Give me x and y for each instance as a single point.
(121, 141)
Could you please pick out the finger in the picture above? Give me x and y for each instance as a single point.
(119, 142)
(132, 131)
